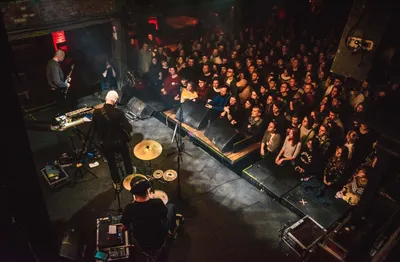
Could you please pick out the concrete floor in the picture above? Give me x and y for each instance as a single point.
(230, 219)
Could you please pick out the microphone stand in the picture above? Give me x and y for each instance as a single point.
(180, 147)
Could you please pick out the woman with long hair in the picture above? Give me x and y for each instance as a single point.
(291, 147)
(306, 129)
(334, 169)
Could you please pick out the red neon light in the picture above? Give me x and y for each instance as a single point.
(154, 21)
(58, 38)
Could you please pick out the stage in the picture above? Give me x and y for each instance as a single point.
(231, 220)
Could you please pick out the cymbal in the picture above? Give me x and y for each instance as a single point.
(170, 175)
(127, 181)
(158, 174)
(147, 150)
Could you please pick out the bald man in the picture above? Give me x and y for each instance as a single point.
(110, 125)
(56, 81)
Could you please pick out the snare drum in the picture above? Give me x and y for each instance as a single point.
(157, 194)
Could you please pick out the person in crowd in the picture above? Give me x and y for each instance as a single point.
(214, 90)
(294, 122)
(254, 98)
(271, 140)
(155, 74)
(352, 192)
(202, 91)
(284, 94)
(295, 106)
(309, 162)
(253, 125)
(351, 139)
(337, 128)
(219, 102)
(231, 82)
(324, 139)
(145, 56)
(231, 111)
(306, 129)
(206, 74)
(171, 85)
(187, 93)
(278, 116)
(333, 171)
(268, 108)
(290, 149)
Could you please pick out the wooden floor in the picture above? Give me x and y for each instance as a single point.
(199, 134)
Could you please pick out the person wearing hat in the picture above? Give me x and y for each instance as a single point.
(149, 219)
(112, 129)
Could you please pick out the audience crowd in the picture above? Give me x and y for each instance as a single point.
(280, 91)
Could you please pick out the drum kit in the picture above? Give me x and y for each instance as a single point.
(148, 150)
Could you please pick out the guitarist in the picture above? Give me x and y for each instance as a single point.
(56, 81)
(113, 131)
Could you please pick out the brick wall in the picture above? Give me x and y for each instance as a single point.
(26, 14)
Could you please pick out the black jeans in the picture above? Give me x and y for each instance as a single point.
(109, 150)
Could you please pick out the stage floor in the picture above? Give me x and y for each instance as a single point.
(284, 185)
(231, 220)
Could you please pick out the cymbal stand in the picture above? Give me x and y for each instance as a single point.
(80, 155)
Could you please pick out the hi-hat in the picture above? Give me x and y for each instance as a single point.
(127, 181)
(158, 174)
(147, 150)
(170, 175)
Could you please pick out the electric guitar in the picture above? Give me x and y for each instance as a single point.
(68, 77)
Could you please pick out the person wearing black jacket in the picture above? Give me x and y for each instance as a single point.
(309, 162)
(57, 82)
(111, 127)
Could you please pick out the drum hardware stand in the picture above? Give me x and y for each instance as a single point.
(80, 155)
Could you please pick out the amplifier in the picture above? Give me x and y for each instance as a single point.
(303, 236)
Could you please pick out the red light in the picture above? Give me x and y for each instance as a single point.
(58, 38)
(154, 21)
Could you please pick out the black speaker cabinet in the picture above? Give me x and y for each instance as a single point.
(194, 114)
(361, 37)
(222, 134)
(139, 108)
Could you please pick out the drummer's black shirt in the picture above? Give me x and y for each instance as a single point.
(147, 221)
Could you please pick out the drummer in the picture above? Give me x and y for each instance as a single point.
(149, 219)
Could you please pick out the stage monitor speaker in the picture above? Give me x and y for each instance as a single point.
(222, 134)
(194, 114)
(139, 108)
(361, 37)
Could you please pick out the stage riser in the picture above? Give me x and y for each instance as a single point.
(284, 186)
(235, 164)
(260, 186)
